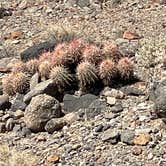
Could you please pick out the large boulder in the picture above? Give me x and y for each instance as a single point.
(41, 109)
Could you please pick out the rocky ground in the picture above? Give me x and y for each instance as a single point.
(120, 126)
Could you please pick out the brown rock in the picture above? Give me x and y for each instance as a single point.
(142, 139)
(53, 159)
(130, 36)
(16, 34)
(136, 150)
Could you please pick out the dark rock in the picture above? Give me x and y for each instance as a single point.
(73, 103)
(83, 3)
(34, 80)
(41, 109)
(117, 108)
(129, 90)
(2, 128)
(25, 132)
(46, 87)
(113, 3)
(99, 128)
(5, 12)
(35, 50)
(9, 124)
(127, 137)
(1, 90)
(4, 102)
(55, 124)
(111, 135)
(18, 103)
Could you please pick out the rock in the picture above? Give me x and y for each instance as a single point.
(71, 117)
(73, 103)
(99, 128)
(52, 160)
(5, 12)
(6, 117)
(142, 139)
(1, 90)
(4, 102)
(141, 131)
(2, 127)
(25, 132)
(111, 135)
(9, 124)
(111, 100)
(83, 3)
(116, 108)
(35, 50)
(136, 150)
(113, 93)
(55, 124)
(127, 137)
(129, 90)
(16, 34)
(4, 61)
(18, 103)
(160, 106)
(113, 3)
(94, 109)
(126, 47)
(18, 114)
(17, 128)
(34, 80)
(46, 87)
(110, 115)
(41, 109)
(130, 36)
(162, 2)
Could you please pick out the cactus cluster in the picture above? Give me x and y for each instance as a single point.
(73, 61)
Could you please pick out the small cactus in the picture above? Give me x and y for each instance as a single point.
(19, 67)
(92, 54)
(7, 84)
(107, 72)
(125, 68)
(61, 77)
(45, 56)
(87, 75)
(110, 50)
(32, 66)
(44, 69)
(15, 83)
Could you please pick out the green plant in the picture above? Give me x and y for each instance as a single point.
(87, 75)
(107, 71)
(61, 77)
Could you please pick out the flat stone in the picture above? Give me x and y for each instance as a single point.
(127, 137)
(34, 81)
(35, 50)
(111, 135)
(73, 103)
(18, 114)
(46, 87)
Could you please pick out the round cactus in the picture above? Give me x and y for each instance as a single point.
(19, 67)
(44, 69)
(92, 54)
(87, 75)
(32, 66)
(45, 56)
(61, 77)
(125, 68)
(7, 84)
(110, 50)
(107, 72)
(15, 83)
(20, 82)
